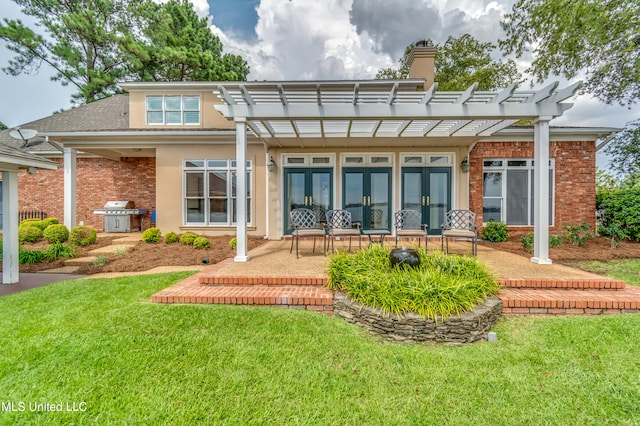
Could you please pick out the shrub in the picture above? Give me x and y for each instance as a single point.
(36, 223)
(170, 237)
(233, 243)
(29, 234)
(201, 242)
(495, 232)
(527, 241)
(47, 222)
(151, 235)
(57, 250)
(188, 237)
(29, 257)
(555, 240)
(441, 285)
(614, 233)
(121, 251)
(82, 235)
(100, 261)
(578, 234)
(622, 211)
(56, 233)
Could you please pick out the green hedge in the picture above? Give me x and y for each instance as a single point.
(621, 212)
(82, 235)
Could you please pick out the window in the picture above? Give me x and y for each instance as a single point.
(507, 191)
(173, 110)
(210, 192)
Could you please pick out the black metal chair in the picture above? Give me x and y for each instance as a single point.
(304, 224)
(339, 225)
(408, 223)
(460, 224)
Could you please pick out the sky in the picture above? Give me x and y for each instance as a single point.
(311, 39)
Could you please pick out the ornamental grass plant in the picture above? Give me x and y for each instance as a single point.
(442, 284)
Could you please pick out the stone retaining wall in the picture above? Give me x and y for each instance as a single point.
(413, 328)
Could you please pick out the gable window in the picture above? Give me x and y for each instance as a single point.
(172, 110)
(210, 192)
(508, 191)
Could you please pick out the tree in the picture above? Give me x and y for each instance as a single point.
(94, 44)
(459, 63)
(624, 150)
(3, 126)
(182, 47)
(598, 37)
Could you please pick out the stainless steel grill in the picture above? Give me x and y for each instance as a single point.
(121, 216)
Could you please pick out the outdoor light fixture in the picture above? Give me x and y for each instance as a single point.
(271, 165)
(32, 170)
(465, 165)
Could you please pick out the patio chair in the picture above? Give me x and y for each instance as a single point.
(304, 224)
(339, 225)
(460, 224)
(408, 223)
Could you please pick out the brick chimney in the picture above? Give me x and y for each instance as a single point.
(421, 62)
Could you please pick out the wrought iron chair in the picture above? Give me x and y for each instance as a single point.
(339, 225)
(460, 224)
(408, 223)
(304, 224)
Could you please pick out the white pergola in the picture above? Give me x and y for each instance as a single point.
(327, 110)
(11, 161)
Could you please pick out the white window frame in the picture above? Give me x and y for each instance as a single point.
(308, 160)
(425, 159)
(207, 166)
(165, 111)
(367, 159)
(503, 168)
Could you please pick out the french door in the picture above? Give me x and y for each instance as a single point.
(309, 188)
(428, 191)
(366, 193)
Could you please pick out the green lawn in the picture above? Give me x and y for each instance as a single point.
(102, 343)
(627, 270)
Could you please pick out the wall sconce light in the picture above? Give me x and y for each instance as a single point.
(271, 165)
(32, 170)
(465, 166)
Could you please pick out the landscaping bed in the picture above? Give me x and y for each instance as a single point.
(598, 248)
(144, 256)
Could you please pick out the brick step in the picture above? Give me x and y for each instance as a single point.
(574, 284)
(570, 301)
(313, 298)
(263, 281)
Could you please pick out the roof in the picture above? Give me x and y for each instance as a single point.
(12, 159)
(108, 114)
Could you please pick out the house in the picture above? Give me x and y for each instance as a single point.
(185, 150)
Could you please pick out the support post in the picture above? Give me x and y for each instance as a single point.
(10, 219)
(70, 187)
(541, 192)
(241, 190)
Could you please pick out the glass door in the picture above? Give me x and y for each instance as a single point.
(428, 191)
(307, 188)
(367, 195)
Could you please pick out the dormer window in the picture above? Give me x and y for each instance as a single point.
(172, 110)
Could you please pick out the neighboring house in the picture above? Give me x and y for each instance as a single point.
(370, 146)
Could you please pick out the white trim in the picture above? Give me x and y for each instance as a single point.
(10, 246)
(70, 194)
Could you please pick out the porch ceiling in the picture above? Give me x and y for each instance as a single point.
(329, 113)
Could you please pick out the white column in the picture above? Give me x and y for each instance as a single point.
(541, 191)
(70, 187)
(10, 260)
(241, 190)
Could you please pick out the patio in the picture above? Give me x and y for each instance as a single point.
(275, 277)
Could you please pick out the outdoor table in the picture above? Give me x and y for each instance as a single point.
(373, 233)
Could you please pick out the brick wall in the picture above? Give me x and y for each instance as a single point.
(98, 180)
(575, 179)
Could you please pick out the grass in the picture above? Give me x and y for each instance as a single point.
(133, 362)
(627, 270)
(440, 285)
